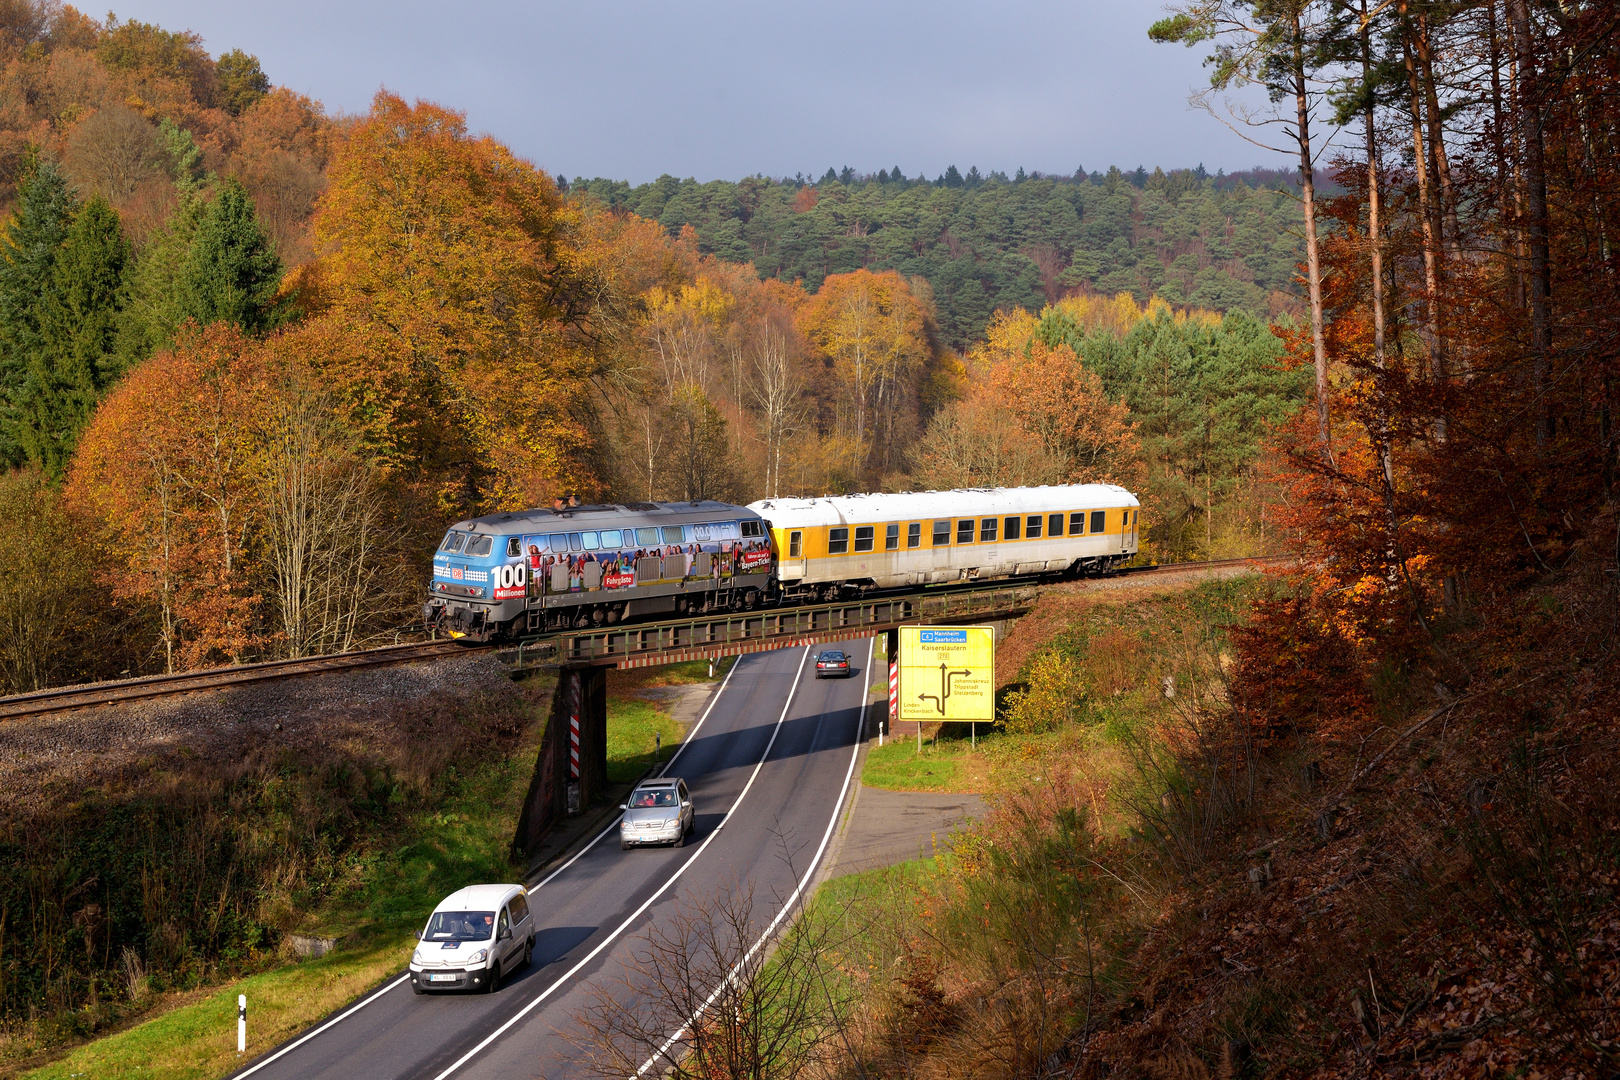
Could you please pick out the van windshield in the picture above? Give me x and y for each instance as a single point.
(460, 926)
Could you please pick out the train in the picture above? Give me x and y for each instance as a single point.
(503, 576)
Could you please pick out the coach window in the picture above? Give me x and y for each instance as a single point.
(612, 538)
(646, 538)
(1032, 527)
(673, 534)
(987, 531)
(795, 544)
(964, 531)
(559, 541)
(837, 541)
(942, 533)
(1011, 528)
(1098, 519)
(891, 538)
(1077, 523)
(1054, 525)
(863, 538)
(590, 539)
(914, 534)
(576, 542)
(514, 547)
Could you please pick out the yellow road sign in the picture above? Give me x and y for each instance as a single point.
(947, 673)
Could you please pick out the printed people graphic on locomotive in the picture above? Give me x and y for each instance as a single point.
(657, 558)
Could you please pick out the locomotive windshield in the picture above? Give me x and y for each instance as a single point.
(452, 541)
(479, 545)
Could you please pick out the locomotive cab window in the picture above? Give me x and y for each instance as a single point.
(1077, 523)
(1032, 527)
(987, 531)
(751, 528)
(942, 533)
(964, 531)
(837, 541)
(795, 544)
(479, 545)
(891, 538)
(1098, 517)
(914, 534)
(863, 538)
(514, 547)
(1010, 528)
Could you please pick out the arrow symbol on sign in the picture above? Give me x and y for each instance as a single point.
(944, 694)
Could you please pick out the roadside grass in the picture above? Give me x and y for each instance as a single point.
(634, 725)
(387, 894)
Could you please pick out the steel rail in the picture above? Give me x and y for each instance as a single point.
(669, 643)
(61, 699)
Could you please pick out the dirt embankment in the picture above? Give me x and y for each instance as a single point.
(61, 754)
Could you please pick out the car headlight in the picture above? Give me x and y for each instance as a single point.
(624, 824)
(416, 957)
(672, 822)
(478, 957)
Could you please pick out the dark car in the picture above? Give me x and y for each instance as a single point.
(832, 662)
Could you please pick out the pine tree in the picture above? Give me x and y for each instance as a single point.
(155, 306)
(231, 273)
(27, 254)
(78, 324)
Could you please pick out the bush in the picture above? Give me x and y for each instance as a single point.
(1055, 694)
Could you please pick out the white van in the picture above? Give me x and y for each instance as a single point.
(475, 936)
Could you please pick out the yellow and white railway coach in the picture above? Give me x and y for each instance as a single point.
(925, 537)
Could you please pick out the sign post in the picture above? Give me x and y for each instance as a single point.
(947, 673)
(241, 1023)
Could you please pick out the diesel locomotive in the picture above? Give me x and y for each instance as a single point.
(504, 575)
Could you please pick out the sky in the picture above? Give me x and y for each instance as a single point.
(724, 89)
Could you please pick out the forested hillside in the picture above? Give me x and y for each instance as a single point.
(992, 243)
(253, 359)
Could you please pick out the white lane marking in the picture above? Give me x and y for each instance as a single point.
(622, 927)
(771, 929)
(678, 751)
(401, 981)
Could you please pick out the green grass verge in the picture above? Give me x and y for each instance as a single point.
(633, 725)
(391, 889)
(948, 765)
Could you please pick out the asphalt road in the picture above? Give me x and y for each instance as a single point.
(769, 767)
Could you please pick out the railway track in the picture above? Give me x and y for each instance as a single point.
(62, 699)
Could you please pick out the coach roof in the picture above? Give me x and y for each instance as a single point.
(924, 505)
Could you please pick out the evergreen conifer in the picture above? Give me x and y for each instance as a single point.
(27, 255)
(231, 273)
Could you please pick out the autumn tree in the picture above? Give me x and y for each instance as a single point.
(166, 468)
(458, 327)
(874, 333)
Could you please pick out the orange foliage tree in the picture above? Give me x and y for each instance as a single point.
(458, 310)
(165, 467)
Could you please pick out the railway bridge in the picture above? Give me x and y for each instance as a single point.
(570, 772)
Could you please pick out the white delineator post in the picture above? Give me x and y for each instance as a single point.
(241, 1023)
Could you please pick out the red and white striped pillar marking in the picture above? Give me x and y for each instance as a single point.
(894, 693)
(573, 747)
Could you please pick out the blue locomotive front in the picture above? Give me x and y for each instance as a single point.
(504, 575)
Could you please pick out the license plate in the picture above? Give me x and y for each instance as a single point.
(442, 978)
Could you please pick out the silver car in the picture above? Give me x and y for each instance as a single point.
(657, 812)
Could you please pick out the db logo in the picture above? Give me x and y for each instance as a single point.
(455, 572)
